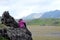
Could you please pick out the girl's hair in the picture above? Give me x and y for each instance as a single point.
(20, 20)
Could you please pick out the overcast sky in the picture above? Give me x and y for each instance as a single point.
(22, 8)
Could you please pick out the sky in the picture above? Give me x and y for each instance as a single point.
(23, 8)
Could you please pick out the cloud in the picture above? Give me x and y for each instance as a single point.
(21, 8)
(29, 5)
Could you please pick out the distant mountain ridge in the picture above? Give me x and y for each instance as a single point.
(50, 14)
(33, 16)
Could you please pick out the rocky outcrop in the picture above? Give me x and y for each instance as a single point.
(15, 34)
(12, 32)
(18, 34)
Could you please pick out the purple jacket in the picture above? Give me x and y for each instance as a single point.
(21, 24)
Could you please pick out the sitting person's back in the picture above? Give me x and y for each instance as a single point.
(22, 24)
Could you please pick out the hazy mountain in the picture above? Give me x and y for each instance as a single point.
(33, 16)
(50, 14)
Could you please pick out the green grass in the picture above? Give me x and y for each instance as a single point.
(2, 38)
(45, 22)
(1, 27)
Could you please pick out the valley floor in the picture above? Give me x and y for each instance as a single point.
(45, 32)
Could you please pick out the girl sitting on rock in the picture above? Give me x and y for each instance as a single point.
(22, 24)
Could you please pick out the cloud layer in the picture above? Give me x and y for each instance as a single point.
(22, 8)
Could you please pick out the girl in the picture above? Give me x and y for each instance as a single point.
(22, 24)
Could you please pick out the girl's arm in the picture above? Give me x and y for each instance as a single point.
(25, 24)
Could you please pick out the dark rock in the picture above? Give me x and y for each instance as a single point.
(8, 20)
(12, 32)
(18, 34)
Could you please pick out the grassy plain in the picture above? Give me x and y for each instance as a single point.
(45, 32)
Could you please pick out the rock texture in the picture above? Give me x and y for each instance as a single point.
(12, 32)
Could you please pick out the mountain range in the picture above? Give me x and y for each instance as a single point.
(33, 16)
(49, 14)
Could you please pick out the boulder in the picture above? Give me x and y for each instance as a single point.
(12, 32)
